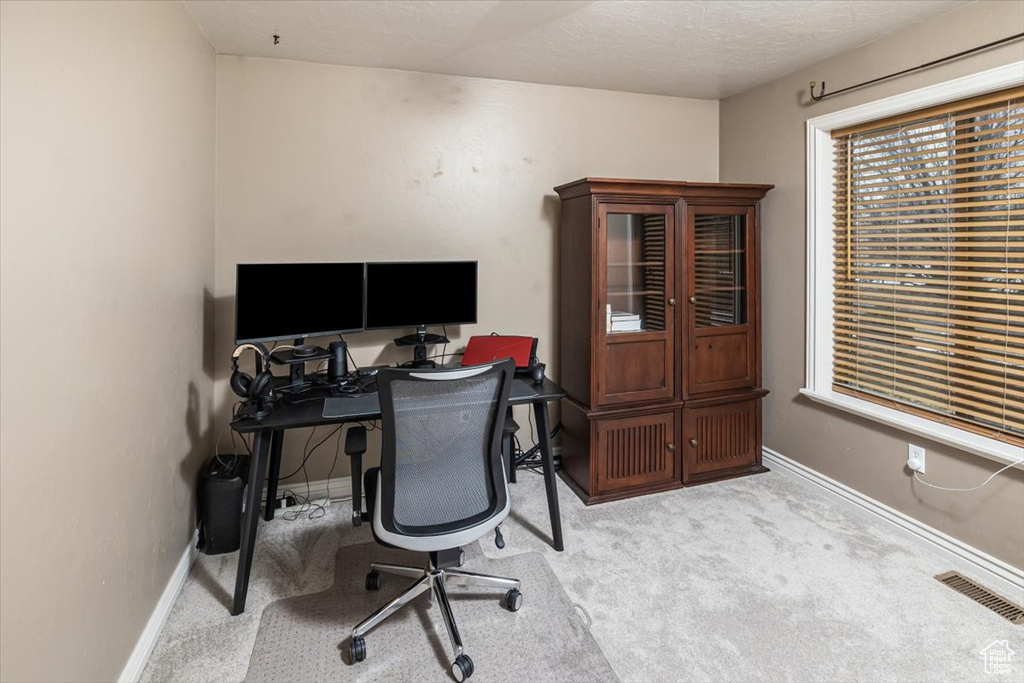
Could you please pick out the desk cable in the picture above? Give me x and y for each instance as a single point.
(530, 459)
(314, 510)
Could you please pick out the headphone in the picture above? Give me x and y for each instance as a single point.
(244, 385)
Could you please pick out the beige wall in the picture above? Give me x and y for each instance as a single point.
(332, 163)
(762, 140)
(106, 257)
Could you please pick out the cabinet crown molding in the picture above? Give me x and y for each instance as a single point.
(673, 189)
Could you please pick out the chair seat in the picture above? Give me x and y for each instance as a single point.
(437, 543)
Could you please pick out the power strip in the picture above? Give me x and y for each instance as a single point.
(285, 502)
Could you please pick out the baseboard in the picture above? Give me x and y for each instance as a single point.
(998, 575)
(339, 488)
(147, 641)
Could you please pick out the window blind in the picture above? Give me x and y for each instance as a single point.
(929, 263)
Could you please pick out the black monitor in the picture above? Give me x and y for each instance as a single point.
(420, 294)
(275, 301)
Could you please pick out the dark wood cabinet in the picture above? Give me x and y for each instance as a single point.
(660, 338)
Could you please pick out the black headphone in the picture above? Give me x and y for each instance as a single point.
(244, 385)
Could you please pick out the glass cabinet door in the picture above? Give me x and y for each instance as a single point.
(635, 340)
(722, 338)
(719, 270)
(636, 273)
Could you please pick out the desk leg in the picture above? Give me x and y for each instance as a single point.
(356, 477)
(540, 412)
(276, 441)
(251, 517)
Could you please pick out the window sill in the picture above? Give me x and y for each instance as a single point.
(951, 436)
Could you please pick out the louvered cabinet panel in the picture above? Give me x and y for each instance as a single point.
(720, 438)
(636, 451)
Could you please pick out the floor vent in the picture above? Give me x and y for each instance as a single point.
(995, 602)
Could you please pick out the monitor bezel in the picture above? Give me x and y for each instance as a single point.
(366, 294)
(327, 333)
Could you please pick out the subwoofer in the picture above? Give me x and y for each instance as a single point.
(221, 492)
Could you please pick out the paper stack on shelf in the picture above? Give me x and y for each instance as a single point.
(621, 321)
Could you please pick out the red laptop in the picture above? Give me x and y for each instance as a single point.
(485, 349)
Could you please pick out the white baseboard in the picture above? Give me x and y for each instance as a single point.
(340, 488)
(998, 575)
(147, 641)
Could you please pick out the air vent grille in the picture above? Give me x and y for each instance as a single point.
(995, 602)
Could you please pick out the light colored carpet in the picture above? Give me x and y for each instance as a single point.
(299, 638)
(764, 578)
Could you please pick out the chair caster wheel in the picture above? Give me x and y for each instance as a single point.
(356, 649)
(462, 557)
(462, 668)
(499, 540)
(513, 600)
(373, 581)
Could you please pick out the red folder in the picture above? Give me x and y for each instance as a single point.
(485, 349)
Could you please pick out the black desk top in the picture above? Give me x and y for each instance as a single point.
(306, 409)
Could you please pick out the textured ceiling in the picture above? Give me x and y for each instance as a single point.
(702, 48)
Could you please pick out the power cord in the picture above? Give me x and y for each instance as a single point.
(234, 414)
(973, 488)
(307, 453)
(307, 506)
(349, 354)
(530, 459)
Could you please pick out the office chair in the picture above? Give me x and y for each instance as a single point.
(441, 485)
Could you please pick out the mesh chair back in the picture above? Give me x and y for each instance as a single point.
(441, 465)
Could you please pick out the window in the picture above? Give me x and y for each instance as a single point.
(929, 263)
(917, 223)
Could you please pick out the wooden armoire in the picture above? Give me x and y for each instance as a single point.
(660, 334)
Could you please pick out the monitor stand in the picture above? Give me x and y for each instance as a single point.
(297, 371)
(419, 343)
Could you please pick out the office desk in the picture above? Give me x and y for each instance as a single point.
(268, 437)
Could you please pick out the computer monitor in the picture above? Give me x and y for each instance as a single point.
(275, 301)
(420, 294)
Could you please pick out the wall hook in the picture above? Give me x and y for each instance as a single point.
(277, 39)
(819, 96)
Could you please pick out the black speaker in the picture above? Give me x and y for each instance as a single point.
(337, 363)
(221, 492)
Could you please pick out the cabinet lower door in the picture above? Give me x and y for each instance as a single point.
(721, 440)
(636, 452)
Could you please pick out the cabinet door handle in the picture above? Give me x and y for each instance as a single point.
(693, 299)
(672, 302)
(672, 447)
(693, 442)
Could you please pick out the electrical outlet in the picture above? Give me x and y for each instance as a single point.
(915, 458)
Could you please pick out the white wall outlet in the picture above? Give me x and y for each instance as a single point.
(915, 458)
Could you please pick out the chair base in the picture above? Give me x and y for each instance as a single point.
(430, 578)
